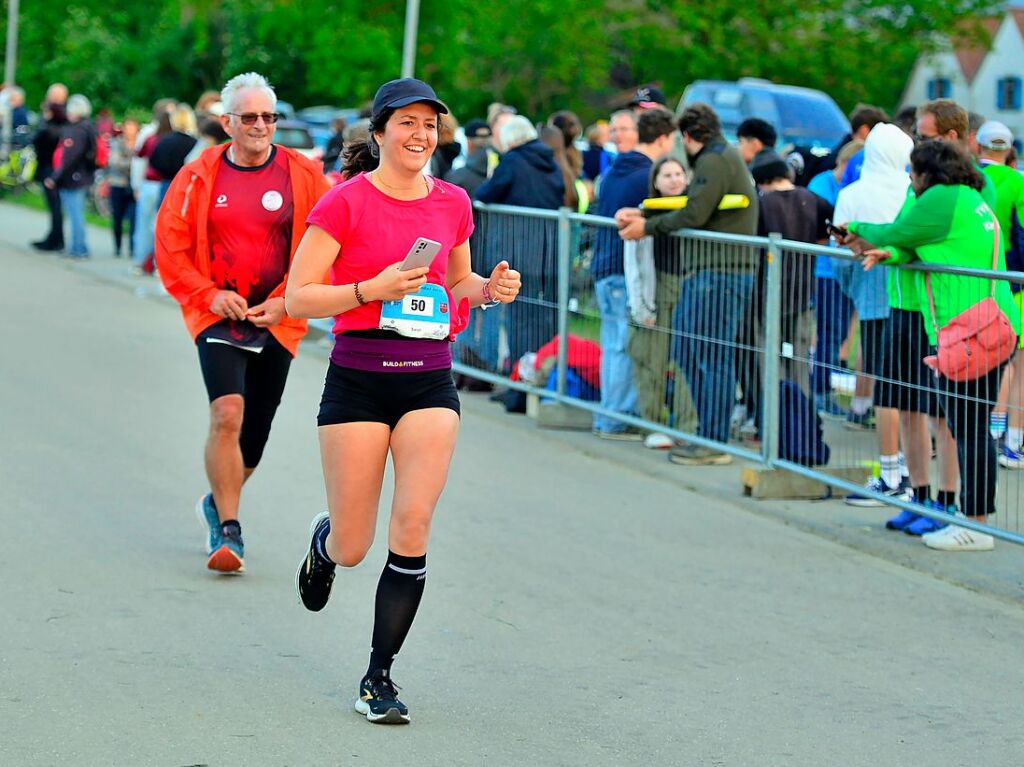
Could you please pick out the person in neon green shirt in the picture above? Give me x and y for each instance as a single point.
(952, 225)
(995, 141)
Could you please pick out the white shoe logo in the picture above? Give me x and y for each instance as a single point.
(222, 201)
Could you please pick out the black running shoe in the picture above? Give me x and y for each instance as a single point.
(378, 700)
(315, 575)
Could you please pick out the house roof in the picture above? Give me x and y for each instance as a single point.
(1018, 16)
(971, 57)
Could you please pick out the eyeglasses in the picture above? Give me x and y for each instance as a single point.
(250, 118)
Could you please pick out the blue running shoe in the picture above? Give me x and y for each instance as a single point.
(1010, 458)
(926, 524)
(206, 510)
(229, 557)
(902, 521)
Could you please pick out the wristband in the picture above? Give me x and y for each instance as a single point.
(359, 296)
(488, 299)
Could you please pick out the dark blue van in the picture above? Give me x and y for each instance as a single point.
(802, 116)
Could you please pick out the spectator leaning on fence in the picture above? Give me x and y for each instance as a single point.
(951, 224)
(717, 278)
(800, 215)
(833, 308)
(624, 184)
(892, 359)
(995, 142)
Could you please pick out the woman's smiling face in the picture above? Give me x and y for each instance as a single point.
(671, 180)
(409, 137)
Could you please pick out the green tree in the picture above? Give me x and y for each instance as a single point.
(541, 56)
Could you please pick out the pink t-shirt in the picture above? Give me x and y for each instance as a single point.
(374, 230)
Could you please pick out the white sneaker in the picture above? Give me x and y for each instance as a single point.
(956, 538)
(657, 441)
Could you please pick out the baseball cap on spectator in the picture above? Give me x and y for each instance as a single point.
(405, 91)
(994, 135)
(648, 96)
(477, 129)
(768, 166)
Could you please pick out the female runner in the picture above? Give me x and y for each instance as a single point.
(389, 385)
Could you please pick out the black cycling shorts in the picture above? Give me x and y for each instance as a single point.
(352, 396)
(258, 377)
(910, 385)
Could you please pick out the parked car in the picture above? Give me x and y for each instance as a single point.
(286, 110)
(295, 135)
(319, 118)
(802, 116)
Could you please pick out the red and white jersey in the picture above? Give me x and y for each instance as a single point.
(250, 227)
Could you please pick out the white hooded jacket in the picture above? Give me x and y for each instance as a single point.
(876, 198)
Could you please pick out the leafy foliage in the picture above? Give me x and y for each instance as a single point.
(541, 55)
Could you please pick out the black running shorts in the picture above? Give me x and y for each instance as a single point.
(352, 396)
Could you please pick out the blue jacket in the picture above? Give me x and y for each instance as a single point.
(527, 176)
(624, 185)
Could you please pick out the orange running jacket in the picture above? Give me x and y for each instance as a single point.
(183, 246)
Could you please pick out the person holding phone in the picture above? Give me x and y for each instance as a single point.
(389, 387)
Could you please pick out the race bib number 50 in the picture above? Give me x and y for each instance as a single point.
(423, 314)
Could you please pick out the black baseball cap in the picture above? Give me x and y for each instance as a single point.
(477, 129)
(405, 91)
(647, 96)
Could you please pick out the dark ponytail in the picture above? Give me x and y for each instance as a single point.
(364, 156)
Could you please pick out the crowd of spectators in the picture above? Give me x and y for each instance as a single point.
(691, 361)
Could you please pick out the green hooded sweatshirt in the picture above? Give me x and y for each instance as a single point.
(952, 226)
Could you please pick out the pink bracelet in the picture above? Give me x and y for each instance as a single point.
(487, 293)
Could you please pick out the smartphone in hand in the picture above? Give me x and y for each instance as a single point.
(422, 253)
(839, 232)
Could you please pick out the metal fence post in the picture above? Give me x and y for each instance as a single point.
(564, 246)
(772, 344)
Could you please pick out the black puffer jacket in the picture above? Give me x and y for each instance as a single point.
(46, 139)
(527, 176)
(78, 163)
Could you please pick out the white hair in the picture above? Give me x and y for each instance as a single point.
(79, 107)
(516, 131)
(244, 82)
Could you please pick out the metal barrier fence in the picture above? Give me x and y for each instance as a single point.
(740, 336)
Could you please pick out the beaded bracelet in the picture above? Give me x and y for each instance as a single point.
(487, 293)
(359, 296)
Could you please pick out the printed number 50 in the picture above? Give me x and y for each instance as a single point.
(417, 304)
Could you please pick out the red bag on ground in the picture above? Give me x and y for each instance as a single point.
(977, 340)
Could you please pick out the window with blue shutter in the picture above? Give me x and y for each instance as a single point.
(1008, 94)
(939, 88)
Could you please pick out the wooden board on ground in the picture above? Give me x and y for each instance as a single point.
(554, 415)
(779, 483)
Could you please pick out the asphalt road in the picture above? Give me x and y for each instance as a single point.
(580, 610)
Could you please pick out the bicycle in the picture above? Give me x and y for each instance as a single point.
(18, 170)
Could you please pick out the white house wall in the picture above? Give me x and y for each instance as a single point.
(930, 67)
(1006, 59)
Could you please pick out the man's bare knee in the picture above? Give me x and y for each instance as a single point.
(226, 414)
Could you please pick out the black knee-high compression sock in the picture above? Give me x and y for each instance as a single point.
(398, 596)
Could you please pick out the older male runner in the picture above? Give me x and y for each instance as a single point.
(226, 234)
